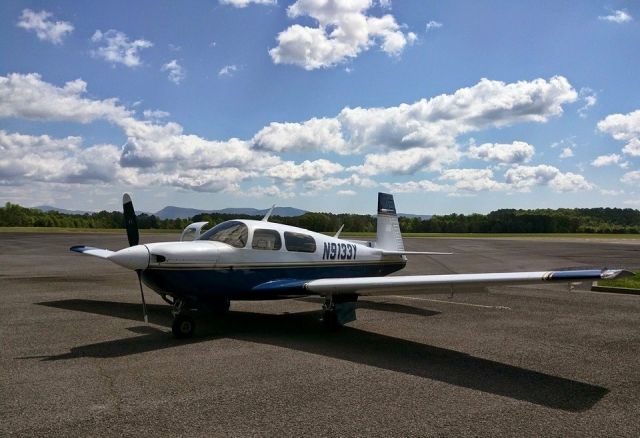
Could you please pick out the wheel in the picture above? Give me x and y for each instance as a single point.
(330, 321)
(183, 326)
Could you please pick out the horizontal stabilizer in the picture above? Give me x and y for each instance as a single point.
(96, 252)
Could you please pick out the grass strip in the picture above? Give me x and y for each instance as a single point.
(628, 282)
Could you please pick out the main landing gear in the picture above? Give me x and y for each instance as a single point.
(338, 310)
(184, 324)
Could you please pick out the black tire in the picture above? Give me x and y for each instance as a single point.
(330, 321)
(183, 326)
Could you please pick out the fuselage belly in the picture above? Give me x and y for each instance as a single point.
(239, 282)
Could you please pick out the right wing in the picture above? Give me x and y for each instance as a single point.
(422, 284)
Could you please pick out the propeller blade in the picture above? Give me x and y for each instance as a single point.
(144, 304)
(130, 222)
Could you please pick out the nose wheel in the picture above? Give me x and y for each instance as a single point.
(183, 325)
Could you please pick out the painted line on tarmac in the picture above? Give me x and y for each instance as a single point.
(452, 302)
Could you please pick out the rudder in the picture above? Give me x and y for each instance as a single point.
(388, 234)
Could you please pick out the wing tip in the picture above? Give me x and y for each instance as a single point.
(609, 274)
(78, 248)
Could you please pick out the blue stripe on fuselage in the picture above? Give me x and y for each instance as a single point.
(240, 284)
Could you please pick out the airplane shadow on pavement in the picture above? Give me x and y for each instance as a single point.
(302, 332)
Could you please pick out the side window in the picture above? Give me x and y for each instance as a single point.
(266, 239)
(299, 242)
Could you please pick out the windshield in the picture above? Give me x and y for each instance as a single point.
(233, 233)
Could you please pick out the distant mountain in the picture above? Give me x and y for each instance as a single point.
(172, 212)
(47, 208)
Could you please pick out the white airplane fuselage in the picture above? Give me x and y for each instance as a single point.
(268, 252)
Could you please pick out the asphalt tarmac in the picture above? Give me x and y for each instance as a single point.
(77, 360)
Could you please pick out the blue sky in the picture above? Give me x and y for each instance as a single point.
(457, 106)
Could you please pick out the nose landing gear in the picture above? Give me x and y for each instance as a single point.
(183, 325)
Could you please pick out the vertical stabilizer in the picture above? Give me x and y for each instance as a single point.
(388, 234)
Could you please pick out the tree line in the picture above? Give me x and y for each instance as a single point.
(564, 220)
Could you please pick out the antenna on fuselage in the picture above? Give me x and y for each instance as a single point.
(266, 216)
(339, 231)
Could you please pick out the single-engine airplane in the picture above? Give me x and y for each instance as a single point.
(260, 260)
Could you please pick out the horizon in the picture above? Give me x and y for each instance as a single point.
(454, 107)
(400, 213)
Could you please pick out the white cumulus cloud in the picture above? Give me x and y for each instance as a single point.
(45, 28)
(617, 16)
(566, 153)
(313, 135)
(228, 70)
(424, 185)
(632, 147)
(624, 127)
(290, 171)
(27, 158)
(245, 3)
(436, 122)
(509, 153)
(472, 180)
(606, 160)
(155, 114)
(28, 96)
(406, 162)
(527, 177)
(631, 177)
(117, 49)
(344, 31)
(176, 71)
(589, 97)
(433, 25)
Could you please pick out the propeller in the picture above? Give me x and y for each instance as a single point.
(131, 225)
(144, 304)
(130, 222)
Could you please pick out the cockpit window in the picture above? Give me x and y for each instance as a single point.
(233, 233)
(266, 239)
(299, 242)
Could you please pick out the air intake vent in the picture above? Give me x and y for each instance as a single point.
(158, 258)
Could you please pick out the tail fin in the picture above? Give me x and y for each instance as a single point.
(388, 234)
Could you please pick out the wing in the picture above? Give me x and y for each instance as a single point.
(422, 284)
(90, 250)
